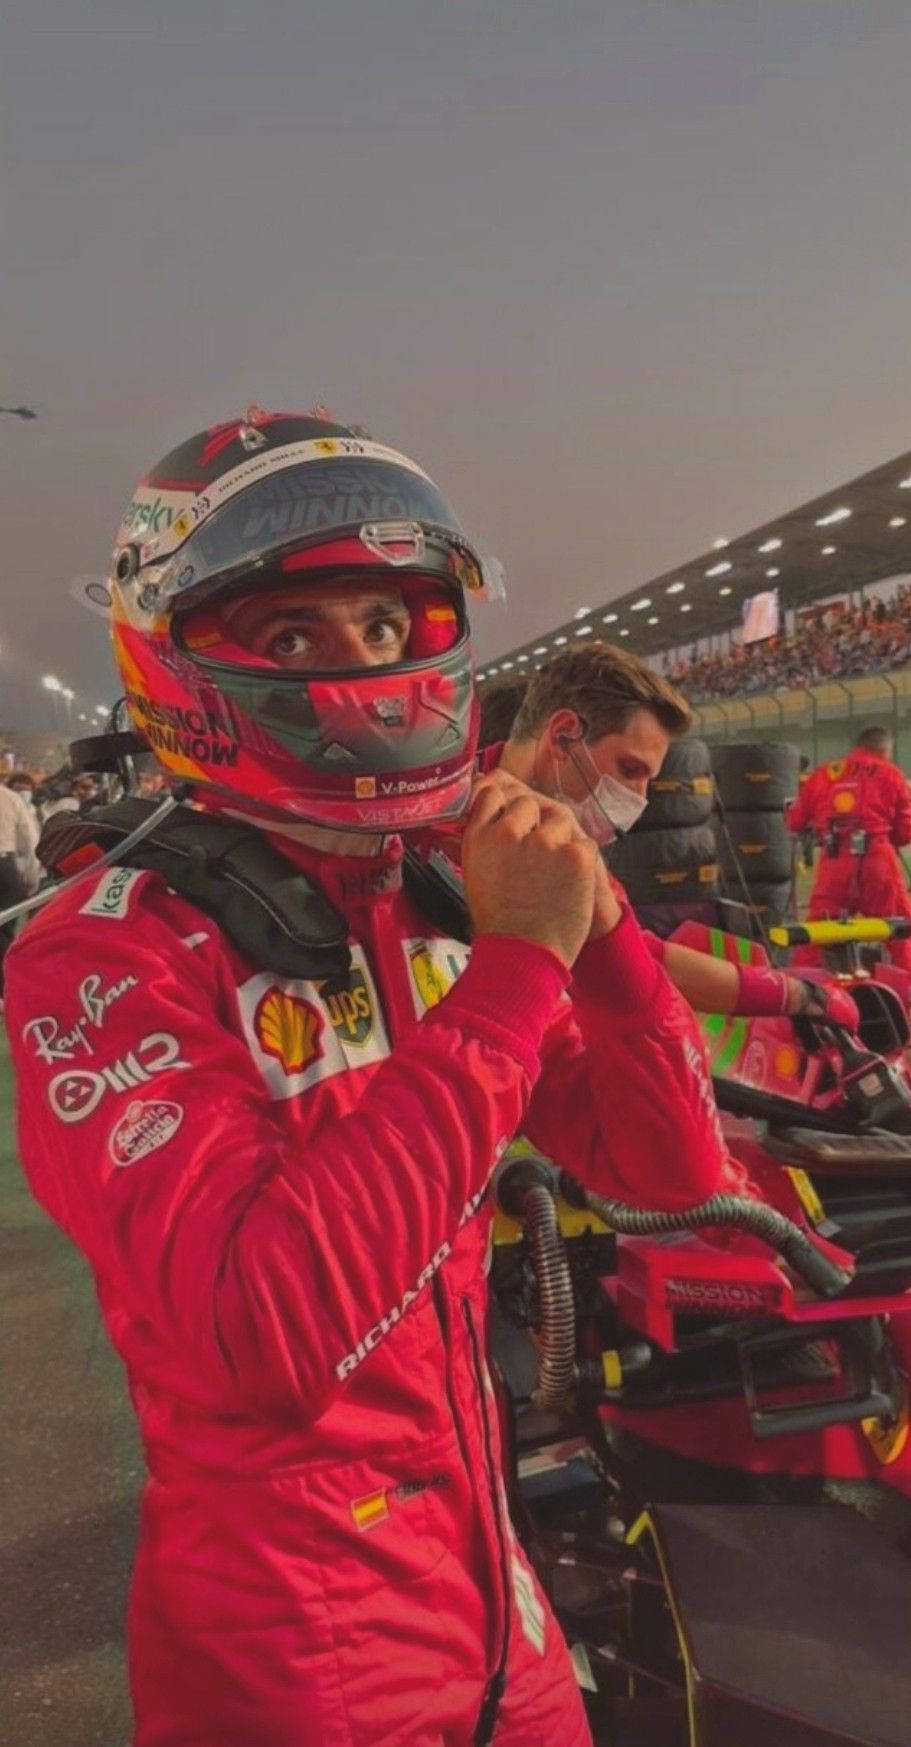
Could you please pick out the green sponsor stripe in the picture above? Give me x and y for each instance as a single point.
(733, 1045)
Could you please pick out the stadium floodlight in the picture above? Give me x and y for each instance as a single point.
(506, 665)
(719, 544)
(905, 483)
(839, 515)
(51, 683)
(609, 618)
(719, 569)
(725, 590)
(773, 572)
(559, 641)
(773, 545)
(897, 521)
(639, 606)
(541, 649)
(521, 658)
(675, 588)
(652, 620)
(67, 693)
(584, 631)
(581, 612)
(624, 630)
(686, 607)
(828, 550)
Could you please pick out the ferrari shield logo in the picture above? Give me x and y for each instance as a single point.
(434, 966)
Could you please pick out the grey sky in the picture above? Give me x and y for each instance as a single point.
(623, 275)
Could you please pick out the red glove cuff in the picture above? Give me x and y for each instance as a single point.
(762, 990)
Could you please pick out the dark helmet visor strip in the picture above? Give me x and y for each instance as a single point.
(316, 501)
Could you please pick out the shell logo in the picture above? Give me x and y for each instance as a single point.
(787, 1062)
(844, 801)
(289, 1029)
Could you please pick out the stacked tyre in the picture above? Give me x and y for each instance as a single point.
(754, 784)
(668, 863)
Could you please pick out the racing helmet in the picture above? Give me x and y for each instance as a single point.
(260, 504)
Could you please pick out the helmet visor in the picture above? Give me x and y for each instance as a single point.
(297, 506)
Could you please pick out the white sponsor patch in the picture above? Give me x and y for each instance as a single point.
(111, 896)
(532, 1615)
(299, 1036)
(143, 1128)
(75, 1095)
(433, 967)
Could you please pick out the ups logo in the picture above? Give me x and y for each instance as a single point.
(351, 1011)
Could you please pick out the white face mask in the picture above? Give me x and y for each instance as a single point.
(609, 809)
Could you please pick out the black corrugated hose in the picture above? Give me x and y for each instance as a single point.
(557, 1337)
(818, 1271)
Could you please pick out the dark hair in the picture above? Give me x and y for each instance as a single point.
(606, 686)
(499, 704)
(878, 740)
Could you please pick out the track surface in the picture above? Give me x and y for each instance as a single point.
(70, 1470)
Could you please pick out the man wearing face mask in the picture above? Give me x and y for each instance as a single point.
(593, 730)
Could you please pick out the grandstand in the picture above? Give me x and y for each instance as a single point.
(843, 545)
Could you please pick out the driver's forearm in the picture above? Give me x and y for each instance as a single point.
(710, 985)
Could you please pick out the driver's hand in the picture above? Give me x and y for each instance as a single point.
(826, 1001)
(607, 910)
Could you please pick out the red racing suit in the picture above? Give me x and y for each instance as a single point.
(280, 1189)
(867, 795)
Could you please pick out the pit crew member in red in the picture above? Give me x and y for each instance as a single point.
(593, 727)
(279, 1180)
(859, 809)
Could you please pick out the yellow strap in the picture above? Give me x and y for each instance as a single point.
(830, 933)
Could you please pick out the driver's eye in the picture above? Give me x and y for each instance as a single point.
(387, 630)
(288, 642)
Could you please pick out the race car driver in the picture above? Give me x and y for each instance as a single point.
(859, 810)
(592, 728)
(279, 1179)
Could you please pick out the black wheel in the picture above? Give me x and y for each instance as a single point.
(683, 791)
(764, 775)
(762, 845)
(772, 902)
(674, 864)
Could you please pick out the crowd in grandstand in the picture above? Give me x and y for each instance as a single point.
(829, 643)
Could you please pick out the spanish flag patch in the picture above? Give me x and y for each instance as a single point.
(373, 1508)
